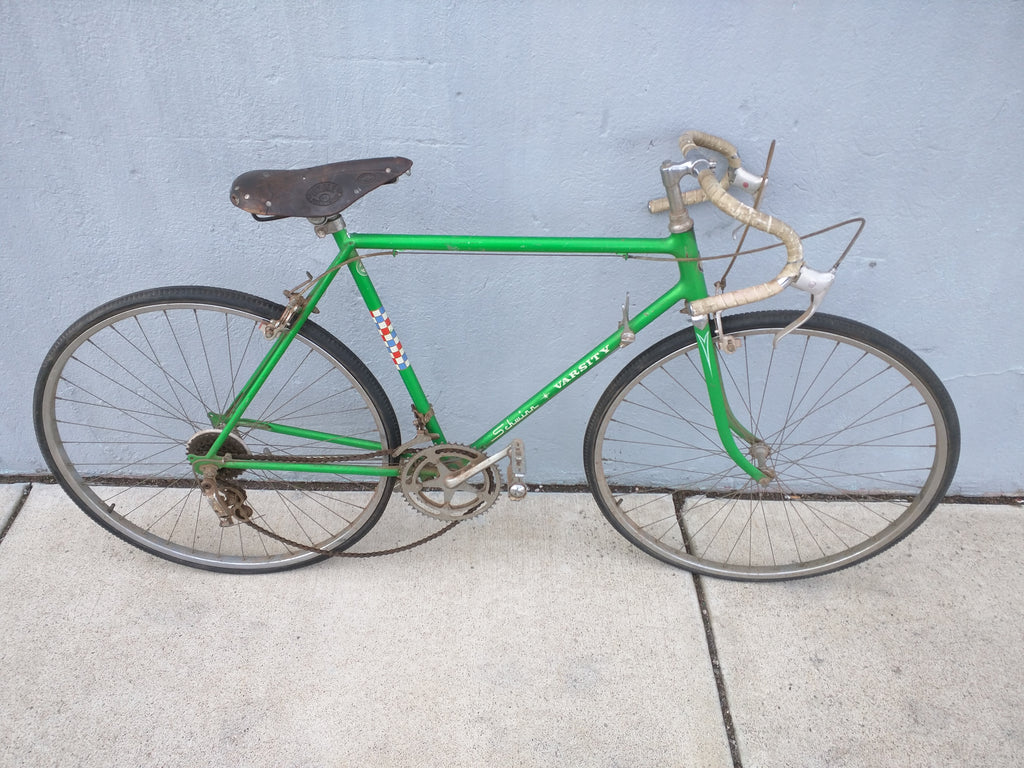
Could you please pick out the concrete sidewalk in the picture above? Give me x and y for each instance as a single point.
(532, 636)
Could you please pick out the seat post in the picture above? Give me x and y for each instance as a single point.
(327, 225)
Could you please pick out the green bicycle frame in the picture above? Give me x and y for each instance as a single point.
(690, 286)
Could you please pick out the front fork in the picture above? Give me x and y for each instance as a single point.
(728, 426)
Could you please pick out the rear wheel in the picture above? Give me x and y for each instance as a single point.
(860, 435)
(127, 392)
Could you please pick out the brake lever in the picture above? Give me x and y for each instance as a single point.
(815, 283)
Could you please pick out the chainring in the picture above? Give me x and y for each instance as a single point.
(422, 482)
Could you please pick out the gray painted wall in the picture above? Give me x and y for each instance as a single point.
(122, 125)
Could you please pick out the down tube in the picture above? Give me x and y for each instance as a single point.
(681, 290)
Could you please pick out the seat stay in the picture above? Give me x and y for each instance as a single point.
(307, 434)
(236, 411)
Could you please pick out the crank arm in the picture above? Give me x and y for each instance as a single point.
(815, 283)
(515, 448)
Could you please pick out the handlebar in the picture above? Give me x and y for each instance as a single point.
(715, 190)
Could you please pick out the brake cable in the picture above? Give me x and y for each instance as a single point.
(720, 283)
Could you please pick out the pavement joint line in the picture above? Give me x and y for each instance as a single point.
(14, 513)
(988, 499)
(716, 669)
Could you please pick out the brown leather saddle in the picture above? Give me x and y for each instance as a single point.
(323, 190)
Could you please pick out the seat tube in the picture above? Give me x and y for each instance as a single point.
(388, 334)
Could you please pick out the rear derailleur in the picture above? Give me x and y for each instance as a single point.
(227, 497)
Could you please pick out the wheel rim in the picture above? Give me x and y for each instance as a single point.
(121, 397)
(856, 444)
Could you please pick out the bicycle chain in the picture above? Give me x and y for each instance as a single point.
(330, 553)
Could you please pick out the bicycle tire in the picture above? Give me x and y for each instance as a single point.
(864, 443)
(127, 388)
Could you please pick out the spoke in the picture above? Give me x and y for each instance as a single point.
(206, 357)
(234, 367)
(268, 409)
(118, 430)
(640, 466)
(182, 502)
(196, 392)
(317, 498)
(182, 410)
(671, 410)
(703, 431)
(701, 402)
(764, 390)
(121, 385)
(880, 476)
(155, 361)
(818, 405)
(814, 379)
(297, 414)
(796, 383)
(829, 437)
(334, 395)
(117, 408)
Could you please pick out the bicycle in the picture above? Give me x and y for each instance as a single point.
(223, 431)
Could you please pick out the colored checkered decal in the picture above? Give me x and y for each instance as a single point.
(388, 334)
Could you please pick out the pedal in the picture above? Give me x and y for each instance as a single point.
(516, 471)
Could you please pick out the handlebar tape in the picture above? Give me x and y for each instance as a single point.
(763, 222)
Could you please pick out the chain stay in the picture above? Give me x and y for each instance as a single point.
(422, 435)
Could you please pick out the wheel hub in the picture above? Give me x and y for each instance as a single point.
(201, 442)
(759, 452)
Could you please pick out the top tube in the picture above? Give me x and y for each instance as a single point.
(675, 245)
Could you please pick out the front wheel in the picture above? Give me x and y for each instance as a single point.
(859, 435)
(128, 391)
